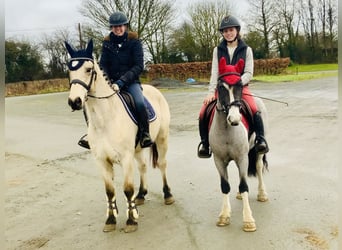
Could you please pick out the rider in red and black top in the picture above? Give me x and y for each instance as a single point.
(232, 48)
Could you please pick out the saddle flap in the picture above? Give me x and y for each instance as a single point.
(128, 102)
(247, 114)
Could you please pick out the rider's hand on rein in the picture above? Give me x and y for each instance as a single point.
(208, 99)
(115, 87)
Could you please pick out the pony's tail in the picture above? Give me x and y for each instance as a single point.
(252, 154)
(154, 154)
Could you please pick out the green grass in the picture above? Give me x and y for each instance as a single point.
(301, 72)
(312, 67)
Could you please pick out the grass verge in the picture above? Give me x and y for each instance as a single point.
(300, 73)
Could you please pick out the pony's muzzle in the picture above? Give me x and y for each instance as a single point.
(75, 104)
(233, 121)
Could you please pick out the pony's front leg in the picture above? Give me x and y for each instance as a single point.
(262, 194)
(224, 217)
(132, 211)
(247, 217)
(112, 211)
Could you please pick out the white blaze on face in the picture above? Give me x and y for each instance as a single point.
(234, 115)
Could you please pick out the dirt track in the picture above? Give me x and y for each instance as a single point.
(55, 196)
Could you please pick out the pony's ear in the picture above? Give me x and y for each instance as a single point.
(69, 48)
(240, 65)
(90, 46)
(222, 64)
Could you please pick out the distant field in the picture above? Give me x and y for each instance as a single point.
(301, 72)
(312, 67)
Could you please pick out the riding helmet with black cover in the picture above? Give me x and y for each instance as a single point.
(118, 18)
(228, 22)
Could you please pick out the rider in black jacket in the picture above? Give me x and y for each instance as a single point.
(122, 60)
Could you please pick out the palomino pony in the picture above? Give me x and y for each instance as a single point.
(112, 133)
(229, 140)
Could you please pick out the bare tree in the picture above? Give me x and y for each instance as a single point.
(322, 13)
(286, 30)
(55, 54)
(332, 24)
(149, 18)
(206, 18)
(263, 21)
(157, 29)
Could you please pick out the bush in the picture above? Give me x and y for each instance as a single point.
(199, 70)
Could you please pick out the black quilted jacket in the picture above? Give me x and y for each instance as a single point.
(122, 57)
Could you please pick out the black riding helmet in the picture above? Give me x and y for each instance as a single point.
(230, 21)
(118, 18)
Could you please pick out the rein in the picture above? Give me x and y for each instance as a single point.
(269, 99)
(102, 97)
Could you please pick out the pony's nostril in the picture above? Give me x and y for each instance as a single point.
(78, 102)
(75, 104)
(70, 102)
(232, 122)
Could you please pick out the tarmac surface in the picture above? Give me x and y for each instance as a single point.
(55, 195)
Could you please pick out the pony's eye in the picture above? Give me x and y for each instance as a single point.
(88, 70)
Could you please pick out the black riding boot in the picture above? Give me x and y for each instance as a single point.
(144, 129)
(83, 142)
(260, 141)
(203, 149)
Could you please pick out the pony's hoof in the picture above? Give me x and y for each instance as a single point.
(139, 201)
(238, 196)
(109, 228)
(168, 201)
(249, 226)
(131, 228)
(262, 198)
(223, 221)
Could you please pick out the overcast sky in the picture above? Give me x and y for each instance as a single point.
(29, 19)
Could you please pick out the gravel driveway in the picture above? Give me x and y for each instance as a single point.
(55, 196)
